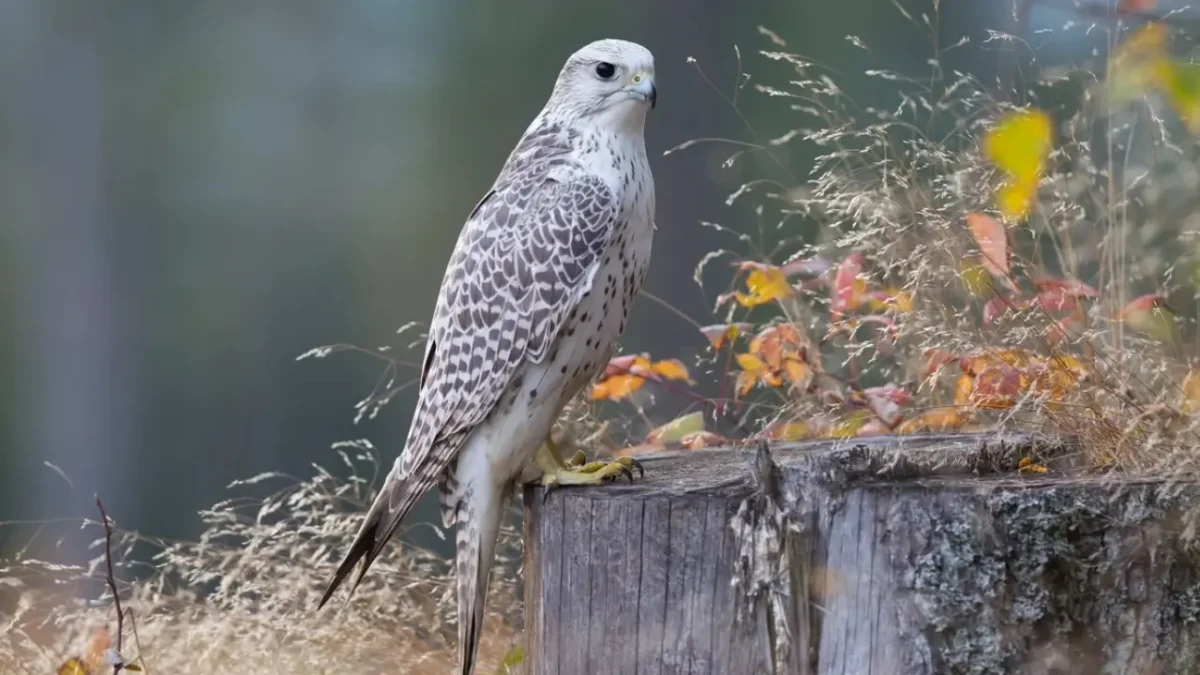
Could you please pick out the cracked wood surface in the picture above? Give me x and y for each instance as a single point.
(909, 556)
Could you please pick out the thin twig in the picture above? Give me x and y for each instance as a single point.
(112, 582)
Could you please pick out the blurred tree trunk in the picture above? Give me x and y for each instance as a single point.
(72, 354)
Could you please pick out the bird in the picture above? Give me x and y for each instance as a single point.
(534, 299)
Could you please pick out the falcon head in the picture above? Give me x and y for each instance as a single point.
(609, 83)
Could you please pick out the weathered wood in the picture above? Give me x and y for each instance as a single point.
(907, 556)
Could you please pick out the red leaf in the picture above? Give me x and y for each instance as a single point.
(1055, 300)
(992, 239)
(1070, 287)
(998, 306)
(846, 291)
(620, 365)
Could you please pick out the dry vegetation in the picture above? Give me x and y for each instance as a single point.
(973, 264)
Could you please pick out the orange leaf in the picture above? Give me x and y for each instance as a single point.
(1189, 403)
(796, 371)
(616, 387)
(745, 382)
(992, 239)
(962, 389)
(938, 419)
(672, 369)
(1026, 465)
(771, 344)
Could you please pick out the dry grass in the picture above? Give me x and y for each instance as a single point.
(242, 599)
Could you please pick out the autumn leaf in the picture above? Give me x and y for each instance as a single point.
(1071, 287)
(992, 239)
(671, 369)
(1150, 315)
(787, 431)
(722, 334)
(764, 284)
(1019, 145)
(72, 666)
(997, 307)
(1189, 402)
(702, 439)
(975, 277)
(849, 425)
(935, 359)
(1135, 6)
(996, 387)
(1027, 465)
(885, 403)
(624, 365)
(1181, 81)
(676, 429)
(1063, 329)
(890, 299)
(938, 419)
(616, 387)
(809, 267)
(848, 286)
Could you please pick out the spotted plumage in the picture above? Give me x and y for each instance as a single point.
(535, 296)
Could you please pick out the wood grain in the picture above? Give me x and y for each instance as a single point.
(923, 556)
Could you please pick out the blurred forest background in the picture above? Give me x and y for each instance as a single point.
(194, 193)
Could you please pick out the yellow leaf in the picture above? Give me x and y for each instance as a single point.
(676, 429)
(721, 334)
(849, 426)
(1189, 404)
(1018, 145)
(72, 666)
(1182, 84)
(672, 369)
(1136, 65)
(975, 278)
(894, 299)
(788, 431)
(750, 363)
(765, 284)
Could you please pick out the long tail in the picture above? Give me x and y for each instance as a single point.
(478, 528)
(392, 504)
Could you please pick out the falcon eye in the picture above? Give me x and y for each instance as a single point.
(605, 70)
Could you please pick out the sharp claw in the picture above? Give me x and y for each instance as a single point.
(638, 465)
(546, 490)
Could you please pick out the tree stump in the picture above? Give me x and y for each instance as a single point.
(896, 556)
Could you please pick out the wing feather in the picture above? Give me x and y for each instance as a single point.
(524, 259)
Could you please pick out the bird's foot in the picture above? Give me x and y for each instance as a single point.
(578, 471)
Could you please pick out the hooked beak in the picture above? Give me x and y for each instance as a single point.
(643, 88)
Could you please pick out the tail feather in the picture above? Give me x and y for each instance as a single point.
(478, 529)
(392, 504)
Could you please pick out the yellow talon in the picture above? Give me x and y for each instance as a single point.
(577, 470)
